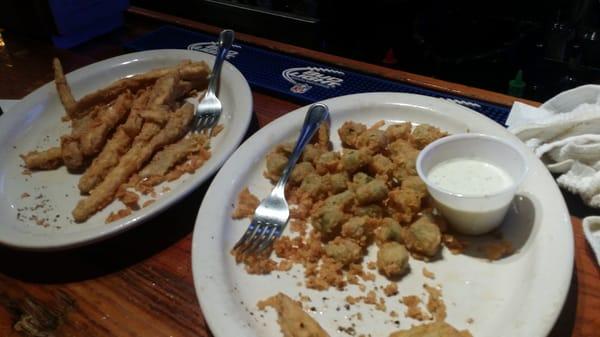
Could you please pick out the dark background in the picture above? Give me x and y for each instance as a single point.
(556, 43)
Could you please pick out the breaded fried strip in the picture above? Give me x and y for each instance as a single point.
(63, 89)
(116, 146)
(71, 153)
(188, 71)
(173, 154)
(43, 160)
(92, 142)
(131, 162)
(170, 88)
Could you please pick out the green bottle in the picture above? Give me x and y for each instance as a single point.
(516, 86)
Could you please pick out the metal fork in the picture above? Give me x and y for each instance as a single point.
(273, 213)
(209, 109)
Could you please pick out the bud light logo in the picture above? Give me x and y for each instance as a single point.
(304, 78)
(212, 47)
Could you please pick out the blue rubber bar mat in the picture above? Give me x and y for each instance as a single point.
(297, 78)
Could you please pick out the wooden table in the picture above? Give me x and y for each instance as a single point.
(140, 283)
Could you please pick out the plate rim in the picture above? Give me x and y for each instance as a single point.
(244, 99)
(205, 291)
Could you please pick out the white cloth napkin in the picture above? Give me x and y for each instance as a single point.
(565, 134)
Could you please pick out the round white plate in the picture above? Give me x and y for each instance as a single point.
(35, 123)
(519, 295)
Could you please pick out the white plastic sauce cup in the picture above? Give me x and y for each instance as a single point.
(473, 214)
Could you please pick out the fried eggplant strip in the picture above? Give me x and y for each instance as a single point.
(116, 146)
(63, 89)
(173, 154)
(43, 160)
(92, 142)
(188, 71)
(131, 162)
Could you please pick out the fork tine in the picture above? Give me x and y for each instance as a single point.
(260, 238)
(256, 239)
(266, 243)
(249, 232)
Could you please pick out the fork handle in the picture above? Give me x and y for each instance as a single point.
(317, 113)
(225, 42)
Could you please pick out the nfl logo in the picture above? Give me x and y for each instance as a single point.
(300, 88)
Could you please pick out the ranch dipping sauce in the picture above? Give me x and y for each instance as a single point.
(469, 177)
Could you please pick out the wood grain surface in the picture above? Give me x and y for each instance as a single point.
(140, 283)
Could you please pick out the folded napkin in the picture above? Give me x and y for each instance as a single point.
(565, 134)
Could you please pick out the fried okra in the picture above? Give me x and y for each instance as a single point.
(372, 210)
(380, 165)
(338, 182)
(276, 162)
(328, 162)
(424, 134)
(374, 140)
(311, 153)
(392, 259)
(343, 250)
(349, 133)
(356, 228)
(423, 237)
(404, 204)
(341, 200)
(354, 160)
(328, 220)
(389, 230)
(372, 192)
(361, 178)
(398, 131)
(414, 183)
(313, 185)
(301, 171)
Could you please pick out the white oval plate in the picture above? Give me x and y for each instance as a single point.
(35, 122)
(520, 295)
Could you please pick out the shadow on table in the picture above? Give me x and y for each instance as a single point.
(111, 255)
(566, 320)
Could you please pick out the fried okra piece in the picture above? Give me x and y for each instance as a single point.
(404, 156)
(355, 228)
(311, 153)
(338, 182)
(392, 259)
(398, 131)
(414, 183)
(361, 178)
(423, 237)
(424, 134)
(328, 220)
(354, 160)
(389, 230)
(328, 162)
(372, 192)
(374, 140)
(349, 133)
(276, 162)
(372, 211)
(313, 185)
(380, 165)
(343, 250)
(404, 204)
(342, 200)
(300, 171)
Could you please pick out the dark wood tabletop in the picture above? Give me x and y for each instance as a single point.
(140, 282)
